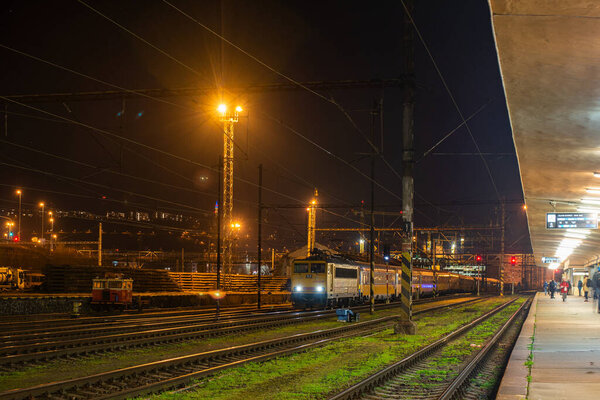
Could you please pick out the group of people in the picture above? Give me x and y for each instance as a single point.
(553, 286)
(586, 285)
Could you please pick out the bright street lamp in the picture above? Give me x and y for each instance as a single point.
(42, 205)
(19, 193)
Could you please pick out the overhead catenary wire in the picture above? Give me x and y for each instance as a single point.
(129, 91)
(143, 145)
(374, 148)
(72, 71)
(106, 187)
(191, 69)
(474, 114)
(447, 88)
(133, 177)
(114, 172)
(331, 100)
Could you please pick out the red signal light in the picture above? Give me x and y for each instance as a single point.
(478, 258)
(513, 260)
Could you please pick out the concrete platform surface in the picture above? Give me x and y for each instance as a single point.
(566, 352)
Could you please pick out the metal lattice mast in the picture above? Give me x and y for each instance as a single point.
(312, 223)
(229, 119)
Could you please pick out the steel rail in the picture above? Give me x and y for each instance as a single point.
(377, 379)
(71, 323)
(453, 391)
(11, 355)
(68, 323)
(131, 326)
(109, 324)
(208, 362)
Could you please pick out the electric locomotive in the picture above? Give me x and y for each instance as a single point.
(330, 280)
(325, 280)
(111, 292)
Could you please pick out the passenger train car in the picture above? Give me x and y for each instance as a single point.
(330, 280)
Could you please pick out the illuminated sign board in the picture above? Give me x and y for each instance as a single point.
(573, 220)
(550, 260)
(469, 270)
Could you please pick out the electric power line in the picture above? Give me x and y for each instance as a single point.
(441, 76)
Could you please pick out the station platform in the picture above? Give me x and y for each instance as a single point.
(563, 339)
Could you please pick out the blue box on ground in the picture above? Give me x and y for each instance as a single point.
(346, 315)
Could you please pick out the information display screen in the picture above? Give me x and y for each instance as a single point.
(550, 260)
(573, 220)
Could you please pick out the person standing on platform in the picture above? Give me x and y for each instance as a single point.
(564, 289)
(545, 288)
(580, 286)
(552, 288)
(586, 287)
(596, 284)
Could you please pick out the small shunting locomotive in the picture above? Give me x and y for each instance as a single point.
(113, 292)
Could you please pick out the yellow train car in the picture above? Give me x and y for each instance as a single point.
(324, 280)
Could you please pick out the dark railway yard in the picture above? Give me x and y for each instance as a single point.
(458, 351)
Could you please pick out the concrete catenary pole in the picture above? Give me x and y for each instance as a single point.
(372, 240)
(407, 162)
(259, 246)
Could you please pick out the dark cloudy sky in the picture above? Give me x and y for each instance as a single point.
(308, 41)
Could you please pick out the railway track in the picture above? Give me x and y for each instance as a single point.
(175, 372)
(41, 346)
(427, 374)
(73, 323)
(43, 325)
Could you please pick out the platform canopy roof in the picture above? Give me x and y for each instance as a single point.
(549, 54)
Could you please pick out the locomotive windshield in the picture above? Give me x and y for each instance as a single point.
(317, 268)
(115, 284)
(300, 268)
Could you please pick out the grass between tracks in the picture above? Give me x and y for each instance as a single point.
(446, 365)
(61, 369)
(321, 371)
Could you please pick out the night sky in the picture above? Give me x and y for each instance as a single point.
(307, 41)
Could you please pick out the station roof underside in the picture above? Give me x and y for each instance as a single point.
(549, 53)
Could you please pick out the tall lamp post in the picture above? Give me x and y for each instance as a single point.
(42, 205)
(19, 193)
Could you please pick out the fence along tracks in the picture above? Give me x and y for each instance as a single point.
(41, 346)
(399, 379)
(170, 373)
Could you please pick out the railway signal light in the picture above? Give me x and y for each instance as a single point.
(478, 258)
(513, 260)
(386, 252)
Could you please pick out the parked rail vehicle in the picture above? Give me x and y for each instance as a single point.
(113, 292)
(332, 281)
(12, 278)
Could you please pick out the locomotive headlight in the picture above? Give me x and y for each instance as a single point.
(319, 288)
(298, 288)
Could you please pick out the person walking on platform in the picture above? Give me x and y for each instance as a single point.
(545, 288)
(580, 286)
(564, 289)
(552, 288)
(586, 287)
